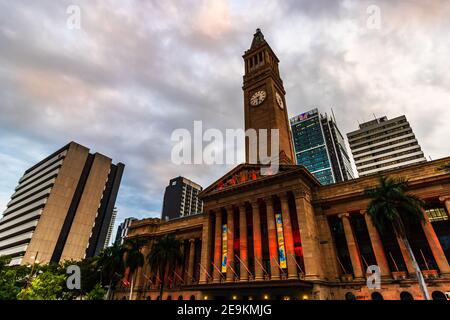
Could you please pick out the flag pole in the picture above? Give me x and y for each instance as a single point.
(245, 266)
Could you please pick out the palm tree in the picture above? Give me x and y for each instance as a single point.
(111, 263)
(391, 205)
(165, 255)
(133, 258)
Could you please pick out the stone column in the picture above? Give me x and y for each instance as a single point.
(446, 201)
(257, 242)
(352, 247)
(217, 246)
(288, 237)
(309, 235)
(230, 244)
(406, 257)
(243, 254)
(206, 251)
(436, 248)
(273, 244)
(377, 246)
(190, 270)
(141, 281)
(177, 279)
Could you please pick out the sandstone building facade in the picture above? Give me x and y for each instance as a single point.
(286, 236)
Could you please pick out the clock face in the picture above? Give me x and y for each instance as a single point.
(258, 98)
(279, 101)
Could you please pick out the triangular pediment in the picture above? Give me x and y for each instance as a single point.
(247, 174)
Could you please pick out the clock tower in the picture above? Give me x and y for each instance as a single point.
(264, 98)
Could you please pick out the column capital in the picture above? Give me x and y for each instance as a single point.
(242, 205)
(444, 198)
(363, 212)
(341, 215)
(191, 240)
(300, 193)
(228, 208)
(254, 203)
(283, 195)
(212, 211)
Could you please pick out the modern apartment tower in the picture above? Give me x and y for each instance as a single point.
(122, 230)
(320, 147)
(181, 199)
(383, 144)
(61, 208)
(110, 228)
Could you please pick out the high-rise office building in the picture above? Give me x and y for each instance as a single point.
(320, 147)
(62, 207)
(111, 227)
(122, 230)
(383, 144)
(181, 199)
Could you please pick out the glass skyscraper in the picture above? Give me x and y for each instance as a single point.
(320, 147)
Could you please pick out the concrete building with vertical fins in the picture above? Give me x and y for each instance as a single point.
(61, 208)
(382, 144)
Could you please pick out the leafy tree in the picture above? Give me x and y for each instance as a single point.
(12, 279)
(390, 204)
(110, 261)
(9, 287)
(4, 263)
(165, 255)
(46, 286)
(97, 293)
(90, 277)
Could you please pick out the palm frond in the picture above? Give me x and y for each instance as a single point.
(390, 203)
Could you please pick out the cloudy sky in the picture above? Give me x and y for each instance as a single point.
(137, 70)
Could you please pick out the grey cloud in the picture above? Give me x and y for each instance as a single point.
(137, 70)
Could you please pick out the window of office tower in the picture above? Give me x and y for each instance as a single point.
(439, 218)
(308, 134)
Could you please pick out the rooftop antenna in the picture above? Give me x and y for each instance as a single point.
(332, 112)
(375, 117)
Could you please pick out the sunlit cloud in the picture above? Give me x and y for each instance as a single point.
(137, 70)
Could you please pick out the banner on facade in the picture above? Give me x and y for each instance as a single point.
(280, 236)
(224, 247)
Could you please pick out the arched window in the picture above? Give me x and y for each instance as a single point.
(180, 297)
(377, 296)
(192, 297)
(350, 296)
(406, 296)
(149, 298)
(158, 298)
(169, 298)
(437, 295)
